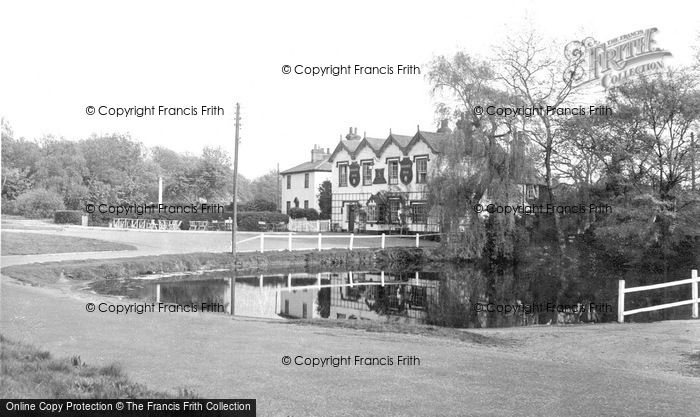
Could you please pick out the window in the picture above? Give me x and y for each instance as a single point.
(532, 191)
(306, 204)
(394, 206)
(366, 173)
(289, 182)
(371, 212)
(343, 175)
(421, 170)
(306, 180)
(419, 213)
(289, 206)
(303, 311)
(393, 171)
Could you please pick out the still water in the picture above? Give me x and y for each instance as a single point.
(462, 297)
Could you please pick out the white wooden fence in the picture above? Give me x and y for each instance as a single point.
(332, 241)
(693, 281)
(313, 226)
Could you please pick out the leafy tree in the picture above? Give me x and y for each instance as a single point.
(266, 187)
(325, 199)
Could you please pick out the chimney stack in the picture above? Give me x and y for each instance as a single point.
(319, 154)
(444, 127)
(353, 135)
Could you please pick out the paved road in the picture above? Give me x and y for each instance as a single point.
(162, 242)
(221, 356)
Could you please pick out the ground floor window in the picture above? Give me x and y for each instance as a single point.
(306, 204)
(371, 213)
(289, 206)
(394, 207)
(419, 213)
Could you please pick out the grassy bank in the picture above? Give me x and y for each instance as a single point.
(14, 243)
(101, 269)
(407, 328)
(28, 372)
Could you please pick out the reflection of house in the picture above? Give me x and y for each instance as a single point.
(300, 304)
(380, 184)
(300, 184)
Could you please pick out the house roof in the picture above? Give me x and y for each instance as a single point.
(403, 142)
(323, 165)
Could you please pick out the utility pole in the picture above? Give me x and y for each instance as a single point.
(692, 161)
(234, 226)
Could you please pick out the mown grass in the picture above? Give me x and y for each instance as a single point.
(406, 328)
(28, 372)
(14, 243)
(105, 269)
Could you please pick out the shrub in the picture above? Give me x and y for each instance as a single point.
(68, 216)
(248, 221)
(259, 204)
(39, 203)
(300, 213)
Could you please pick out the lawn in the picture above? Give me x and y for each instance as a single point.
(28, 372)
(14, 243)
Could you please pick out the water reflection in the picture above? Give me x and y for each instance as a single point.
(452, 296)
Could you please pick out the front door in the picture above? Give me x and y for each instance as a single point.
(351, 218)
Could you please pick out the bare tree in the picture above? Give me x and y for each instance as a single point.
(542, 79)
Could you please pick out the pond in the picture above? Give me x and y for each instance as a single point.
(449, 295)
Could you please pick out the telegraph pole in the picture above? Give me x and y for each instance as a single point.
(692, 161)
(234, 226)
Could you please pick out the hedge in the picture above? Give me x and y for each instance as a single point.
(302, 213)
(68, 216)
(247, 220)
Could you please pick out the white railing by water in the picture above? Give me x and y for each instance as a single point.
(693, 281)
(291, 241)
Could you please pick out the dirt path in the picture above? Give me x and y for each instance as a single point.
(221, 356)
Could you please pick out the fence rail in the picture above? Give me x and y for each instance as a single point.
(303, 225)
(693, 281)
(331, 241)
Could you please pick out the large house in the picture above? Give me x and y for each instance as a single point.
(300, 183)
(379, 185)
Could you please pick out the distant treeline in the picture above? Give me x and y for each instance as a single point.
(47, 174)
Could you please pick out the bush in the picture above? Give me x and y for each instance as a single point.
(39, 203)
(68, 217)
(300, 213)
(248, 221)
(259, 204)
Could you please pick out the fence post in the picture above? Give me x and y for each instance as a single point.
(418, 240)
(382, 275)
(262, 242)
(318, 226)
(621, 301)
(289, 242)
(158, 293)
(695, 293)
(319, 241)
(383, 240)
(352, 238)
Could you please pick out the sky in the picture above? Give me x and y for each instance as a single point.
(58, 58)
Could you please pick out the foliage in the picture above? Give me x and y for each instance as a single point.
(325, 198)
(68, 217)
(302, 213)
(258, 204)
(39, 203)
(248, 221)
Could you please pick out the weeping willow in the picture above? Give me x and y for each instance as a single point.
(474, 168)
